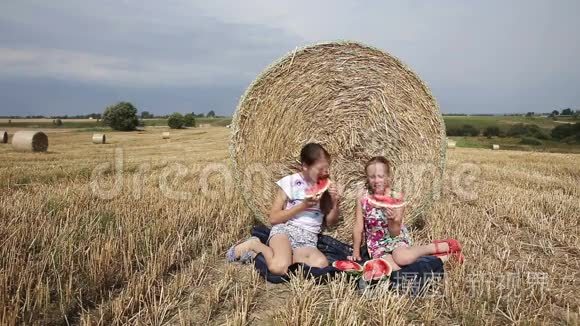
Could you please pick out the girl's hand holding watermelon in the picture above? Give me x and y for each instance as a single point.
(355, 256)
(310, 202)
(394, 214)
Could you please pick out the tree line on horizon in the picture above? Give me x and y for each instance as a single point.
(554, 113)
(142, 115)
(212, 114)
(123, 116)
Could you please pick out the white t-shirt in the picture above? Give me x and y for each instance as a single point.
(295, 188)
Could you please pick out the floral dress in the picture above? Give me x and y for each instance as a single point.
(379, 241)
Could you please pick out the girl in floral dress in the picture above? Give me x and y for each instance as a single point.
(386, 235)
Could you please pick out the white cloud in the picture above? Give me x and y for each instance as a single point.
(500, 53)
(61, 64)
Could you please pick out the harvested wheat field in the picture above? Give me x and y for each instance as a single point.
(143, 243)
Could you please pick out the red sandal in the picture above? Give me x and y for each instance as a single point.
(454, 249)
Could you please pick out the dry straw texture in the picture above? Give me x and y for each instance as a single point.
(3, 137)
(68, 256)
(99, 139)
(355, 100)
(30, 141)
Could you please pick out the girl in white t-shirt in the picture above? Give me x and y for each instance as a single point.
(296, 221)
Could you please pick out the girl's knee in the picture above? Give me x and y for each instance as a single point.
(319, 261)
(278, 267)
(399, 257)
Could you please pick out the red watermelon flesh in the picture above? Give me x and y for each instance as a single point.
(376, 269)
(318, 188)
(347, 266)
(393, 201)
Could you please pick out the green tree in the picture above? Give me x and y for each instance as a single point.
(531, 141)
(555, 113)
(466, 130)
(567, 111)
(189, 120)
(470, 130)
(526, 130)
(146, 115)
(175, 121)
(491, 131)
(121, 116)
(210, 114)
(565, 130)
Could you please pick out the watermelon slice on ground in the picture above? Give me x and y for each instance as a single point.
(395, 200)
(347, 266)
(376, 269)
(318, 188)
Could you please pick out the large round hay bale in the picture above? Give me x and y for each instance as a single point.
(165, 135)
(30, 141)
(495, 147)
(3, 137)
(355, 100)
(99, 138)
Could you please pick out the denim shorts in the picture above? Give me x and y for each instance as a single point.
(298, 237)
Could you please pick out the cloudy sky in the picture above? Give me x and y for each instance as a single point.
(72, 57)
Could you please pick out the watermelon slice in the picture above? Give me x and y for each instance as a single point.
(347, 266)
(318, 188)
(376, 269)
(395, 200)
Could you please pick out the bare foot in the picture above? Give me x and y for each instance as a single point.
(444, 258)
(245, 246)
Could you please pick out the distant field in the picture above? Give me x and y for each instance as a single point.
(514, 144)
(480, 122)
(504, 122)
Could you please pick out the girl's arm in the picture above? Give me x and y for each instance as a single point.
(280, 215)
(395, 220)
(332, 216)
(357, 232)
(398, 214)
